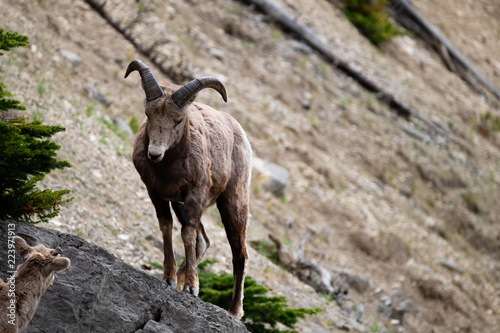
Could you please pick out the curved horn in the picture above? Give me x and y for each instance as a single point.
(182, 96)
(149, 84)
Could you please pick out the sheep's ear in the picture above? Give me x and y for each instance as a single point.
(58, 264)
(22, 248)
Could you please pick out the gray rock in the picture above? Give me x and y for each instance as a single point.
(306, 100)
(216, 54)
(122, 126)
(299, 46)
(5, 116)
(358, 283)
(392, 310)
(451, 265)
(360, 309)
(155, 327)
(384, 309)
(277, 177)
(100, 293)
(97, 96)
(72, 57)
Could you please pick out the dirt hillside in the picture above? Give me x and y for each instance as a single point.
(411, 215)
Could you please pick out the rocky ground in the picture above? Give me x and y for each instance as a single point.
(415, 218)
(102, 294)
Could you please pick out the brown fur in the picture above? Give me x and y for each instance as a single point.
(205, 158)
(32, 278)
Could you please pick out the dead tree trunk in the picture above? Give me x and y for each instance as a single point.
(300, 31)
(411, 19)
(126, 31)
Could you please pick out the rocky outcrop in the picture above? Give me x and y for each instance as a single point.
(276, 176)
(100, 293)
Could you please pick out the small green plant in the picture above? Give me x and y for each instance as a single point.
(134, 124)
(278, 34)
(262, 313)
(370, 17)
(155, 264)
(488, 124)
(235, 9)
(430, 201)
(41, 88)
(37, 116)
(328, 297)
(344, 102)
(110, 124)
(270, 206)
(314, 121)
(89, 110)
(303, 62)
(251, 46)
(372, 98)
(472, 202)
(255, 189)
(267, 249)
(283, 199)
(103, 138)
(120, 151)
(374, 328)
(140, 6)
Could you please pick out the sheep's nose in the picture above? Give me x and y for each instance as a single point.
(154, 156)
(155, 153)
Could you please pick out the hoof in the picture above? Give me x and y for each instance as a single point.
(189, 290)
(172, 284)
(237, 313)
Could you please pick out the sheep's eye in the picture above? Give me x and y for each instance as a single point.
(178, 123)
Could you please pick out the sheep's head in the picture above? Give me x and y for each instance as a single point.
(46, 261)
(166, 108)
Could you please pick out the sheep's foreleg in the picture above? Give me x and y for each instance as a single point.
(196, 243)
(188, 272)
(165, 220)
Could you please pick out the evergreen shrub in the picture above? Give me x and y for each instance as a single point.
(26, 155)
(262, 313)
(371, 18)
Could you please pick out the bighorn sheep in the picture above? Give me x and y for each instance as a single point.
(20, 296)
(192, 156)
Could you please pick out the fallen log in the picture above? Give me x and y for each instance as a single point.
(306, 35)
(99, 6)
(408, 16)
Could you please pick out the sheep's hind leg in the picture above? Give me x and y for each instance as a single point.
(164, 215)
(234, 216)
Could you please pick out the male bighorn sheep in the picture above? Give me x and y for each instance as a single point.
(20, 296)
(191, 156)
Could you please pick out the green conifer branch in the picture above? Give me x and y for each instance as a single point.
(9, 40)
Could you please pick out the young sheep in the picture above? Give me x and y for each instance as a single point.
(20, 296)
(191, 156)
